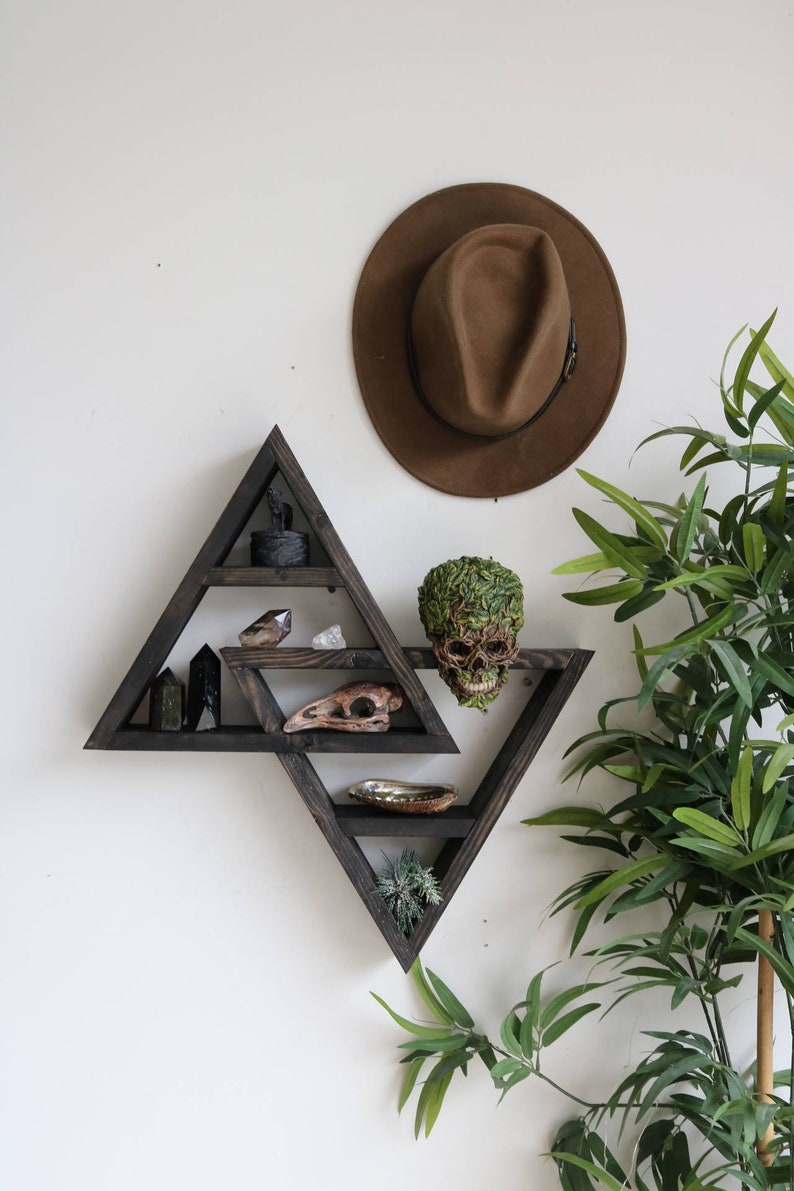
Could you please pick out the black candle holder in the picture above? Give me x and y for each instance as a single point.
(280, 545)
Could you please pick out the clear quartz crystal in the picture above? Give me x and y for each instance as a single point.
(330, 638)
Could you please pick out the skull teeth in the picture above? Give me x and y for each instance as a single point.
(478, 688)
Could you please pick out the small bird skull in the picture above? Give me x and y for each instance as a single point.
(355, 707)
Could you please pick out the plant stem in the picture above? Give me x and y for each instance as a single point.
(790, 1004)
(765, 1075)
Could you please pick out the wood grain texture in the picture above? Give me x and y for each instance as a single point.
(277, 657)
(456, 821)
(273, 577)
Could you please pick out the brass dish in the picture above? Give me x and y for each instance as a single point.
(406, 798)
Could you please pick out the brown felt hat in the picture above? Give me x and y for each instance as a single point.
(489, 339)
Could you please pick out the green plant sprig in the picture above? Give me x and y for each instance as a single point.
(703, 830)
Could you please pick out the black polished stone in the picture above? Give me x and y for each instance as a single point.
(166, 702)
(204, 692)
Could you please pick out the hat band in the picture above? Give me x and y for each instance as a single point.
(568, 366)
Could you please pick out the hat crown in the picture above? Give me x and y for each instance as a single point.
(490, 327)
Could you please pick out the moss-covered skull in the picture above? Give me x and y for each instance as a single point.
(471, 609)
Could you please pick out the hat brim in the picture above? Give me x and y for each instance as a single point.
(437, 454)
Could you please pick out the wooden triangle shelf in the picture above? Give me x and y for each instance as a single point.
(115, 729)
(462, 829)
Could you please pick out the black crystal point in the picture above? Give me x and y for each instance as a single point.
(166, 702)
(204, 691)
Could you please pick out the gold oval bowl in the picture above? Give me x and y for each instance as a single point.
(407, 798)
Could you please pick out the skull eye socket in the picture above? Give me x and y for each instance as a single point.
(497, 649)
(458, 649)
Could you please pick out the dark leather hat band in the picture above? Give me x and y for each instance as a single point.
(568, 366)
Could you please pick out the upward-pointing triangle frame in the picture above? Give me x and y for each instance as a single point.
(115, 730)
(463, 829)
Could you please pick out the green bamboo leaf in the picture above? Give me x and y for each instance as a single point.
(770, 816)
(409, 1082)
(777, 505)
(706, 825)
(775, 570)
(428, 996)
(773, 848)
(459, 1014)
(723, 388)
(688, 525)
(642, 666)
(613, 593)
(596, 1172)
(639, 603)
(776, 370)
(569, 816)
(734, 670)
(564, 1023)
(740, 789)
(753, 544)
(421, 1107)
(697, 577)
(707, 847)
(761, 947)
(410, 1026)
(748, 359)
(619, 555)
(440, 1044)
(506, 1067)
(786, 722)
(622, 876)
(637, 511)
(510, 1031)
(435, 1100)
(769, 669)
(559, 1002)
(780, 760)
(513, 1079)
(586, 564)
(763, 404)
(627, 773)
(659, 672)
(699, 632)
(693, 449)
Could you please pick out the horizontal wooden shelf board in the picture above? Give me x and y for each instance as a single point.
(276, 657)
(237, 739)
(273, 577)
(456, 822)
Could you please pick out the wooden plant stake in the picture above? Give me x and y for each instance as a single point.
(765, 1078)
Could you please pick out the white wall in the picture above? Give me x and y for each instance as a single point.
(190, 190)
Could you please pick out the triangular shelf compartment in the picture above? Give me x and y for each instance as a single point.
(464, 829)
(115, 730)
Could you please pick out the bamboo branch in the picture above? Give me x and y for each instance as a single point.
(765, 1076)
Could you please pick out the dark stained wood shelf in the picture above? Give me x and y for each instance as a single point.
(245, 739)
(455, 822)
(462, 829)
(273, 577)
(363, 658)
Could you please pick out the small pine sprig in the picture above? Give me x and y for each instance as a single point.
(408, 888)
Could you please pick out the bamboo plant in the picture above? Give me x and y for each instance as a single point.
(697, 849)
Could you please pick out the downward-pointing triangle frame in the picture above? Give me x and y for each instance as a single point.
(463, 829)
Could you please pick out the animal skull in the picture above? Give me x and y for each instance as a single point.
(471, 609)
(355, 707)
